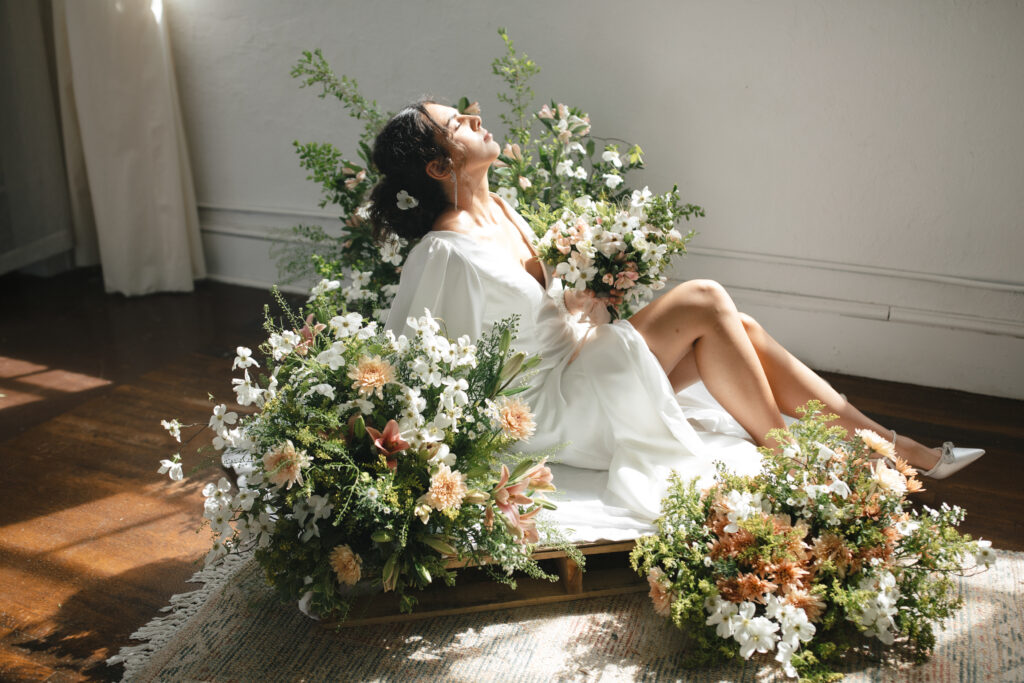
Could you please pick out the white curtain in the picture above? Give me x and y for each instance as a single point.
(132, 197)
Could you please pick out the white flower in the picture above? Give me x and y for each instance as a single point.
(322, 389)
(322, 288)
(217, 552)
(741, 505)
(640, 198)
(612, 180)
(609, 243)
(391, 250)
(406, 201)
(575, 147)
(580, 173)
(173, 428)
(332, 357)
(543, 174)
(612, 157)
(221, 418)
(422, 510)
(564, 167)
(244, 499)
(784, 655)
(442, 455)
(282, 344)
(244, 358)
(245, 391)
(840, 488)
(984, 554)
(172, 468)
(568, 272)
(510, 196)
(720, 614)
(907, 527)
(345, 325)
(889, 480)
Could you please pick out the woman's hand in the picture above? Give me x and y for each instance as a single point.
(592, 307)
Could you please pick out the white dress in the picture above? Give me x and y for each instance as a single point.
(621, 426)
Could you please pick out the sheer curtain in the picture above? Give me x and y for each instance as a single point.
(131, 194)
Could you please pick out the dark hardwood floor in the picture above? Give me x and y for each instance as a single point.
(93, 541)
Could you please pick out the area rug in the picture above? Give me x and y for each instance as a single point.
(235, 629)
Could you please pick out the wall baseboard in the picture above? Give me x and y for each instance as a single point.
(947, 331)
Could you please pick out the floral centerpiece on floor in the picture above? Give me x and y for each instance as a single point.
(617, 250)
(814, 556)
(378, 457)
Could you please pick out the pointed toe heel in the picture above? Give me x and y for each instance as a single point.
(953, 460)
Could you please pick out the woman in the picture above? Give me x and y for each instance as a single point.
(626, 401)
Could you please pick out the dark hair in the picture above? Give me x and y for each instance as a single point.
(401, 152)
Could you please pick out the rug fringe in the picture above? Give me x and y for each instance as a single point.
(183, 606)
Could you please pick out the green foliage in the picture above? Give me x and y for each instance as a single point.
(562, 161)
(516, 72)
(824, 531)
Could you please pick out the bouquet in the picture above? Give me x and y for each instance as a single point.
(817, 554)
(377, 457)
(618, 251)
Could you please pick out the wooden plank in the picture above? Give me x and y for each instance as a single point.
(484, 595)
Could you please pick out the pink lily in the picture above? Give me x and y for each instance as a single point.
(389, 442)
(528, 526)
(539, 477)
(307, 332)
(508, 498)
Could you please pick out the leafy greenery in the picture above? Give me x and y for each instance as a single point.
(821, 549)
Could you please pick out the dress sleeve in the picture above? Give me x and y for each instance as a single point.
(438, 277)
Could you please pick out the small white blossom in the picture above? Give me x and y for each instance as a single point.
(322, 287)
(221, 417)
(406, 201)
(171, 468)
(173, 428)
(612, 157)
(243, 358)
(612, 180)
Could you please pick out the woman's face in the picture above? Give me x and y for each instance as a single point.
(469, 143)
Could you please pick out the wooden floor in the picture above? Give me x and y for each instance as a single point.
(93, 541)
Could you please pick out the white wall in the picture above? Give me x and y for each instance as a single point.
(862, 164)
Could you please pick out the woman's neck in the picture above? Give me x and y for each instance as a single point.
(475, 205)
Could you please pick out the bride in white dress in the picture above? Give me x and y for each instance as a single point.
(686, 381)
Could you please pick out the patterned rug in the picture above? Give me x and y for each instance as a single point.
(237, 630)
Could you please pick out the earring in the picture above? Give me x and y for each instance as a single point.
(455, 182)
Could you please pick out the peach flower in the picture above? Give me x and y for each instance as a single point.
(371, 375)
(877, 443)
(447, 489)
(660, 594)
(515, 418)
(346, 565)
(283, 464)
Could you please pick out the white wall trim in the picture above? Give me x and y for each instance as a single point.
(821, 264)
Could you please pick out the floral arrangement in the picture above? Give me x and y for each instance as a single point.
(617, 250)
(812, 557)
(371, 456)
(535, 170)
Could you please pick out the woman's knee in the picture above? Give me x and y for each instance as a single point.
(706, 295)
(749, 324)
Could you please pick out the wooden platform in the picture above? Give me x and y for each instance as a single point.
(607, 573)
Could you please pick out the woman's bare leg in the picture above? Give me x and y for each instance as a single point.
(790, 383)
(699, 317)
(793, 384)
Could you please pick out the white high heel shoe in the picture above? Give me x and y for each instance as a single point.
(953, 460)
